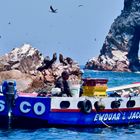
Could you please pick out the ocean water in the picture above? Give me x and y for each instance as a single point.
(122, 133)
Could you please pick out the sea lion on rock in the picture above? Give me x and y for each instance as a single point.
(61, 59)
(47, 63)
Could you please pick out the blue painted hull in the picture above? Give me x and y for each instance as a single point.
(79, 119)
(38, 112)
(93, 119)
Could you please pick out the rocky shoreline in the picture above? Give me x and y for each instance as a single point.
(33, 71)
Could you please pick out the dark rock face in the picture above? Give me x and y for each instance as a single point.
(121, 45)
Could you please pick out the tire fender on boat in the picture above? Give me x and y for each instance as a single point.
(86, 106)
(99, 106)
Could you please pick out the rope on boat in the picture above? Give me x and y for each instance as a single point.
(105, 124)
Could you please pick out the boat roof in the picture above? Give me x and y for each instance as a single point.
(124, 87)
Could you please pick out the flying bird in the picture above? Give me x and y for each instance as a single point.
(53, 10)
(80, 5)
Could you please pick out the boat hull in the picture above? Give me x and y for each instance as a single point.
(102, 119)
(48, 112)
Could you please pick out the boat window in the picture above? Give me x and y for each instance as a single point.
(65, 104)
(115, 104)
(131, 103)
(79, 105)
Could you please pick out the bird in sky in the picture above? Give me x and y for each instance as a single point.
(80, 5)
(53, 10)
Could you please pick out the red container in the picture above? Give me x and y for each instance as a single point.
(94, 81)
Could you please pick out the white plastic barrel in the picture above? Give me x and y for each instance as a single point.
(74, 88)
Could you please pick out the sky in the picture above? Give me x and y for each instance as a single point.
(77, 30)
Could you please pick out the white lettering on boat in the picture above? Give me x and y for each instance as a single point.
(134, 115)
(123, 115)
(107, 116)
(38, 108)
(117, 116)
(2, 105)
(25, 107)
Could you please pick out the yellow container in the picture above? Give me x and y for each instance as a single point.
(94, 90)
(94, 87)
(100, 88)
(100, 93)
(88, 90)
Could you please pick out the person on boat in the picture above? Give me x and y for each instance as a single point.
(82, 82)
(62, 83)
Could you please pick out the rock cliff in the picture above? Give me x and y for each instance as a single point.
(32, 71)
(25, 59)
(121, 46)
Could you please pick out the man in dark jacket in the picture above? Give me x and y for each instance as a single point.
(62, 83)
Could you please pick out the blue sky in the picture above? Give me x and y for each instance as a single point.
(75, 31)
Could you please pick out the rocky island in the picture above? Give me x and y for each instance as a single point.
(121, 46)
(32, 71)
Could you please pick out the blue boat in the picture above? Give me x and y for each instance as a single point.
(4, 118)
(32, 110)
